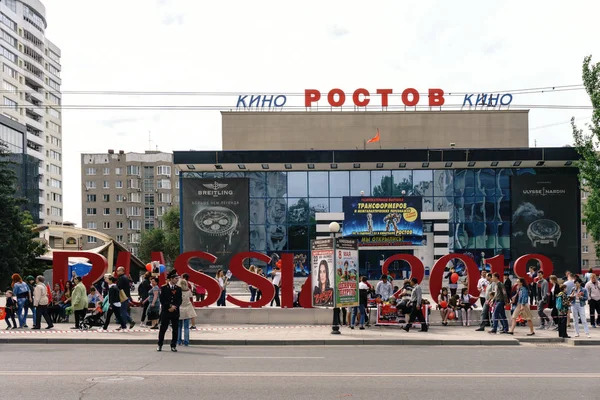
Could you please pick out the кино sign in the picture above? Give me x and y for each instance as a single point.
(236, 266)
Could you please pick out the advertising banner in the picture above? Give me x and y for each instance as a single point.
(322, 274)
(384, 221)
(346, 274)
(215, 218)
(545, 219)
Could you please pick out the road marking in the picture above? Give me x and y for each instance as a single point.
(254, 358)
(296, 374)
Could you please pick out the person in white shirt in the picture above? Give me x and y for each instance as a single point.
(384, 289)
(482, 284)
(593, 289)
(40, 302)
(276, 282)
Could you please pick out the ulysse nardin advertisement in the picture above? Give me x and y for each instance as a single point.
(545, 217)
(215, 218)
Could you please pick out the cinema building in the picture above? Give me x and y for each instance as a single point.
(474, 182)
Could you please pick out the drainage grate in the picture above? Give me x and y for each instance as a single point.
(113, 379)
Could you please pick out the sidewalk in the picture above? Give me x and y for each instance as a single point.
(297, 335)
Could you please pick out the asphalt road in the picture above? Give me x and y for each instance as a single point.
(138, 372)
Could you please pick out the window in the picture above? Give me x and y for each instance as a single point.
(8, 38)
(9, 87)
(10, 72)
(175, 199)
(119, 225)
(92, 225)
(8, 22)
(584, 235)
(55, 71)
(176, 184)
(164, 198)
(148, 185)
(53, 84)
(57, 197)
(160, 211)
(90, 171)
(106, 171)
(134, 211)
(585, 263)
(91, 198)
(54, 113)
(53, 56)
(133, 170)
(92, 239)
(55, 183)
(118, 211)
(121, 198)
(133, 237)
(54, 169)
(119, 185)
(133, 183)
(90, 185)
(584, 194)
(33, 18)
(148, 172)
(105, 185)
(163, 184)
(149, 212)
(135, 224)
(106, 211)
(106, 225)
(106, 197)
(52, 126)
(135, 197)
(55, 141)
(585, 248)
(118, 171)
(12, 4)
(120, 238)
(90, 211)
(149, 199)
(9, 55)
(55, 155)
(54, 98)
(55, 211)
(10, 103)
(163, 170)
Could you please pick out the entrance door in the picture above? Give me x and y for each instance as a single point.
(370, 262)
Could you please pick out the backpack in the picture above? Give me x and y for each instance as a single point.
(559, 303)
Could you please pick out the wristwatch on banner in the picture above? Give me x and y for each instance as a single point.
(544, 231)
(220, 223)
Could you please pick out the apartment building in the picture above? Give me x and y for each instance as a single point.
(31, 96)
(124, 194)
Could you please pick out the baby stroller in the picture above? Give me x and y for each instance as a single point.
(94, 319)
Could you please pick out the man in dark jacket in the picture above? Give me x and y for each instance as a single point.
(143, 289)
(114, 303)
(124, 284)
(170, 301)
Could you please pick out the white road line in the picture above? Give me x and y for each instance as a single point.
(254, 357)
(329, 374)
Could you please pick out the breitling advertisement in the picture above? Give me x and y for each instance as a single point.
(384, 221)
(215, 218)
(545, 218)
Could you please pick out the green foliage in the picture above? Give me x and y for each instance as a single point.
(18, 249)
(387, 186)
(586, 143)
(165, 239)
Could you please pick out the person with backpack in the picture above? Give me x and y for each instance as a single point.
(562, 305)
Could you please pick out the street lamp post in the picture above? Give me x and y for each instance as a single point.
(334, 228)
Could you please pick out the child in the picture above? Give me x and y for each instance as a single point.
(465, 304)
(444, 311)
(11, 306)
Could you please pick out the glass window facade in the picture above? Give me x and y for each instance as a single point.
(283, 204)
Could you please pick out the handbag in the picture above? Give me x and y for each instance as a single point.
(122, 295)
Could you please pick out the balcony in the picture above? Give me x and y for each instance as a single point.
(34, 77)
(33, 130)
(33, 100)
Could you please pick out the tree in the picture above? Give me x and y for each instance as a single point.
(164, 239)
(586, 144)
(18, 249)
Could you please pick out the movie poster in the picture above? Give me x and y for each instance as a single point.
(346, 274)
(322, 274)
(384, 221)
(545, 219)
(215, 219)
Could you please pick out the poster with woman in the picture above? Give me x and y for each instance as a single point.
(322, 272)
(346, 274)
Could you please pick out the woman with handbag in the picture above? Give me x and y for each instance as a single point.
(21, 291)
(79, 302)
(186, 311)
(153, 303)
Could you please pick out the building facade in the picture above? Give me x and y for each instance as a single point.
(14, 136)
(124, 194)
(31, 96)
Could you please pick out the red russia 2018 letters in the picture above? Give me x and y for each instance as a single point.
(237, 268)
(213, 290)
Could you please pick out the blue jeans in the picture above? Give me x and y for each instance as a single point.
(125, 313)
(500, 315)
(362, 315)
(21, 312)
(252, 294)
(185, 325)
(221, 301)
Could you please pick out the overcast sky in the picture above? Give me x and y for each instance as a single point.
(288, 46)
